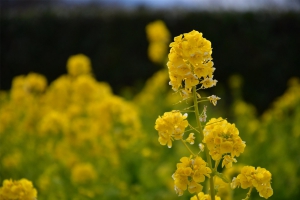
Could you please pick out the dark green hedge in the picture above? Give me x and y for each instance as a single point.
(262, 47)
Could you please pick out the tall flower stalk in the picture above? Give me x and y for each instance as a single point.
(191, 69)
(211, 180)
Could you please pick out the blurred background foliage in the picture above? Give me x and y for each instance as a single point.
(59, 127)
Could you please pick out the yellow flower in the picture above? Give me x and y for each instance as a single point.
(208, 82)
(157, 32)
(191, 138)
(190, 61)
(158, 36)
(227, 161)
(83, 173)
(194, 187)
(202, 196)
(85, 89)
(53, 123)
(170, 126)
(157, 51)
(78, 64)
(223, 189)
(213, 99)
(18, 190)
(58, 93)
(222, 139)
(189, 173)
(260, 178)
(12, 160)
(35, 83)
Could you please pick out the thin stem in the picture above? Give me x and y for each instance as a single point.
(248, 194)
(194, 105)
(193, 128)
(188, 147)
(211, 179)
(188, 107)
(186, 110)
(197, 112)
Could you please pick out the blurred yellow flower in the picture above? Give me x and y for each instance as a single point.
(35, 83)
(78, 65)
(12, 160)
(23, 86)
(157, 51)
(83, 173)
(53, 123)
(157, 31)
(158, 36)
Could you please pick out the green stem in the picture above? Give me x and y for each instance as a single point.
(248, 194)
(187, 147)
(197, 113)
(209, 162)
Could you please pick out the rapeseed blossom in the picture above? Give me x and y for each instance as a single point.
(190, 61)
(53, 123)
(202, 196)
(157, 31)
(171, 126)
(189, 174)
(35, 83)
(158, 36)
(78, 65)
(260, 178)
(223, 140)
(213, 99)
(191, 138)
(18, 190)
(67, 127)
(83, 173)
(12, 160)
(25, 87)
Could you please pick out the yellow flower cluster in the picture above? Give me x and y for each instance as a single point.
(170, 126)
(78, 65)
(260, 178)
(202, 196)
(158, 35)
(83, 173)
(74, 120)
(223, 140)
(22, 85)
(189, 173)
(190, 61)
(18, 190)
